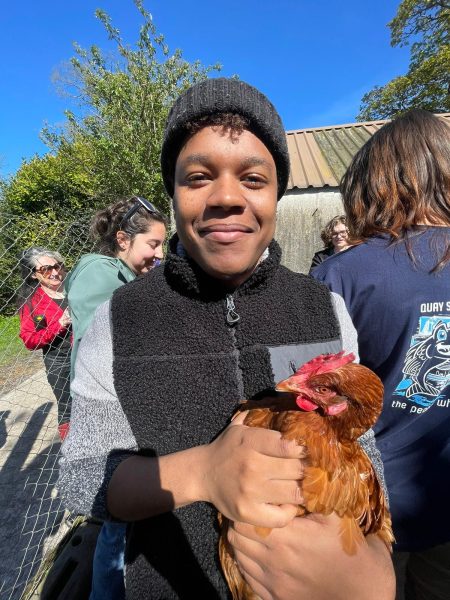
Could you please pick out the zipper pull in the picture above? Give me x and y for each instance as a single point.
(232, 316)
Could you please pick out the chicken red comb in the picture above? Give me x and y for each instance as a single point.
(316, 366)
(324, 363)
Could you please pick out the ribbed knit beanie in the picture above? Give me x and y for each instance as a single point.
(222, 95)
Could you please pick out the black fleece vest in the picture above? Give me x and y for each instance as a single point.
(180, 369)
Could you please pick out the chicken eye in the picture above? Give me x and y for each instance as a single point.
(321, 389)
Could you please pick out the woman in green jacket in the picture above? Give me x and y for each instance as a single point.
(130, 235)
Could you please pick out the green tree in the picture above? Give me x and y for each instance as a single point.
(110, 145)
(56, 184)
(425, 25)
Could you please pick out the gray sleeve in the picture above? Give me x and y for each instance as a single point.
(100, 437)
(349, 338)
(368, 444)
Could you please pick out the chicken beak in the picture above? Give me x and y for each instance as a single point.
(286, 386)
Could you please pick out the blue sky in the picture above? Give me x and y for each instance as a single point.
(314, 59)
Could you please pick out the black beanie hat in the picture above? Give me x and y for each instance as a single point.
(222, 95)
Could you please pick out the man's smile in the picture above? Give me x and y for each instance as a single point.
(225, 232)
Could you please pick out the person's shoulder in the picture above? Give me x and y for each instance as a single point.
(39, 297)
(300, 280)
(95, 261)
(323, 254)
(96, 273)
(93, 264)
(347, 259)
(137, 285)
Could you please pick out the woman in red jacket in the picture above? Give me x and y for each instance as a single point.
(45, 321)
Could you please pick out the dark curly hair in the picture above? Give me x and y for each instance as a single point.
(232, 123)
(107, 222)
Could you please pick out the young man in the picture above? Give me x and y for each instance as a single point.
(221, 322)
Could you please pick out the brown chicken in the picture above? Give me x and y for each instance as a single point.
(331, 402)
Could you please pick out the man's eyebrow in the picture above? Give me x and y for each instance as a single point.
(204, 159)
(254, 161)
(195, 159)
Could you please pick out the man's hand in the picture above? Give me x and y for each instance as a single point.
(241, 472)
(252, 475)
(305, 561)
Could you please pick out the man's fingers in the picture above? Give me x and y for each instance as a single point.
(251, 568)
(239, 417)
(261, 592)
(279, 469)
(240, 533)
(282, 515)
(279, 492)
(252, 573)
(272, 516)
(269, 442)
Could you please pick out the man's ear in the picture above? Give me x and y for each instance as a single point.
(123, 240)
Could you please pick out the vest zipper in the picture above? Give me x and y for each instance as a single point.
(232, 316)
(232, 319)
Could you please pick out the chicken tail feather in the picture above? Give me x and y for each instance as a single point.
(386, 534)
(351, 535)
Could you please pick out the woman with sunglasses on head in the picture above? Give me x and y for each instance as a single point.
(130, 235)
(45, 321)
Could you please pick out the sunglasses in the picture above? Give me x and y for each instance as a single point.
(47, 269)
(139, 201)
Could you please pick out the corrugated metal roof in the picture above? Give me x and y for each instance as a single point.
(320, 155)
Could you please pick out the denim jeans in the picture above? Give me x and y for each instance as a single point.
(108, 568)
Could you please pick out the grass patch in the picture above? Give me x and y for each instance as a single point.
(11, 346)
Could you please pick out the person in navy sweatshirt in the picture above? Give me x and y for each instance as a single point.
(396, 286)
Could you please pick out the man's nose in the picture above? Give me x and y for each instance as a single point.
(227, 193)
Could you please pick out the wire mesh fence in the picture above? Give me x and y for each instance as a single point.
(33, 518)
